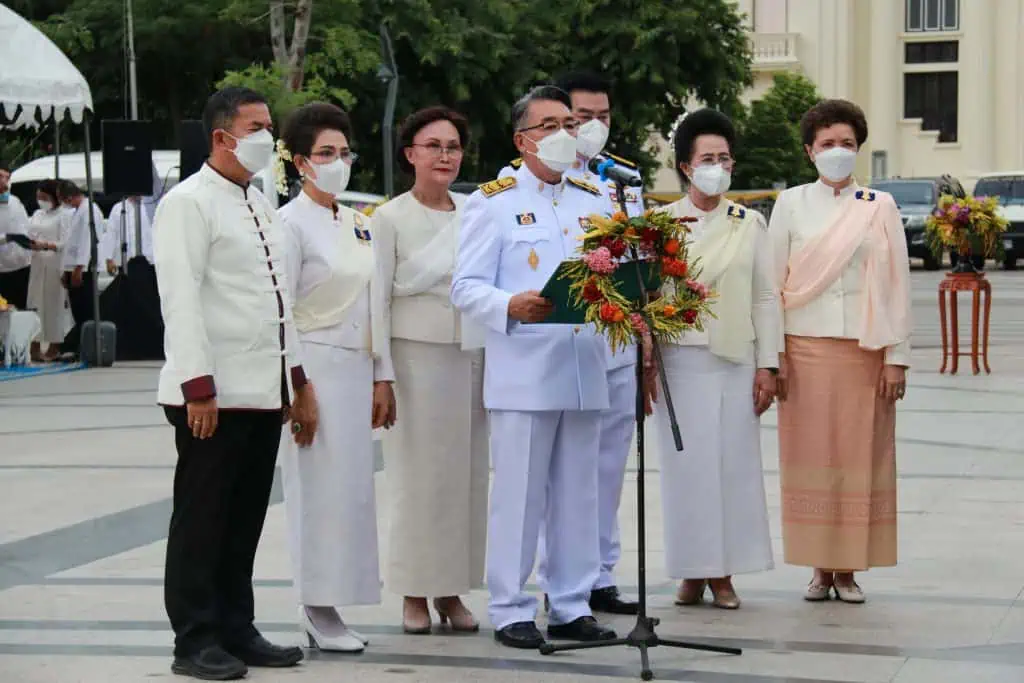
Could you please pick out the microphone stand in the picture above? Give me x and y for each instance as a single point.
(643, 636)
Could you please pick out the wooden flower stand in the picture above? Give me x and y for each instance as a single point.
(976, 284)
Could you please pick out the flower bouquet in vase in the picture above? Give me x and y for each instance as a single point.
(969, 226)
(605, 284)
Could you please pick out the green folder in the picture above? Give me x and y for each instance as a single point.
(567, 312)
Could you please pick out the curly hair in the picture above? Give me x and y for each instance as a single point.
(307, 122)
(829, 113)
(701, 122)
(419, 120)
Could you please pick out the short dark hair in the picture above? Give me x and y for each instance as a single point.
(419, 120)
(830, 112)
(50, 188)
(68, 189)
(587, 81)
(700, 122)
(4, 166)
(222, 107)
(307, 122)
(549, 93)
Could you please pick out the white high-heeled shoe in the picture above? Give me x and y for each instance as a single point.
(345, 640)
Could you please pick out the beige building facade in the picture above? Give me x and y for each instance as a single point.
(941, 81)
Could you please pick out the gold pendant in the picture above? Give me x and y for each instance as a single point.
(533, 259)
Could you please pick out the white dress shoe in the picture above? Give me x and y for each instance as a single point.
(817, 592)
(342, 640)
(849, 593)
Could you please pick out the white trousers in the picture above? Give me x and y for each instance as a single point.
(618, 424)
(544, 468)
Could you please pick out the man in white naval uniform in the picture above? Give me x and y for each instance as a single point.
(544, 384)
(591, 105)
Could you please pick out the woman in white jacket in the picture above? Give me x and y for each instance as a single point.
(332, 274)
(437, 456)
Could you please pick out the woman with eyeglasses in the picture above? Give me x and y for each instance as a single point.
(437, 455)
(332, 273)
(722, 379)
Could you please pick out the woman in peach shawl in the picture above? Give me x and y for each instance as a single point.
(841, 267)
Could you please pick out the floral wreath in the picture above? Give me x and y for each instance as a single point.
(659, 242)
(280, 173)
(675, 126)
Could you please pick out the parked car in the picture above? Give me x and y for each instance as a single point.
(1009, 187)
(917, 198)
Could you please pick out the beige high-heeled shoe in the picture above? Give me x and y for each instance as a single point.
(418, 624)
(724, 596)
(462, 620)
(691, 592)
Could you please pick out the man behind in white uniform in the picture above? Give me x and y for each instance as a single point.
(544, 384)
(122, 226)
(77, 260)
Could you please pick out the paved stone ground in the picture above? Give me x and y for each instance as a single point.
(85, 475)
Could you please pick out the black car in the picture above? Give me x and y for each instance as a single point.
(1009, 188)
(917, 198)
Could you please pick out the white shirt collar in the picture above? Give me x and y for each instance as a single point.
(223, 182)
(534, 184)
(823, 190)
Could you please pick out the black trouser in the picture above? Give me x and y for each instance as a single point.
(14, 287)
(82, 309)
(221, 492)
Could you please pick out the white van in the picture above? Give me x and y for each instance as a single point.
(1009, 187)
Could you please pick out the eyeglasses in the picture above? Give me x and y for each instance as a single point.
(723, 159)
(550, 127)
(435, 149)
(326, 156)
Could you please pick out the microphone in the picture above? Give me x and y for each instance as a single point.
(607, 169)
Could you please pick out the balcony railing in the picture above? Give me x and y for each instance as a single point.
(774, 50)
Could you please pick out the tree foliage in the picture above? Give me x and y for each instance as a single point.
(770, 148)
(477, 56)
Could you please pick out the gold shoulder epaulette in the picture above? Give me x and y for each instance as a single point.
(625, 162)
(866, 195)
(495, 186)
(584, 185)
(516, 163)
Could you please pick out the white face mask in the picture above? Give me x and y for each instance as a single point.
(45, 205)
(711, 179)
(836, 164)
(557, 152)
(332, 178)
(591, 138)
(254, 151)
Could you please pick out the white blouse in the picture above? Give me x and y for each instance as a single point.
(312, 256)
(801, 213)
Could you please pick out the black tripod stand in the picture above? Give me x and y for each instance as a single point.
(643, 635)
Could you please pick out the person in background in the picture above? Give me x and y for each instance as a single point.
(545, 385)
(15, 259)
(233, 375)
(45, 293)
(722, 379)
(78, 275)
(336, 291)
(841, 264)
(437, 454)
(121, 231)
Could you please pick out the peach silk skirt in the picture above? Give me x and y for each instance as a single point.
(837, 457)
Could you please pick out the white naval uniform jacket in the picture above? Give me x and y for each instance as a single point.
(512, 240)
(218, 250)
(625, 356)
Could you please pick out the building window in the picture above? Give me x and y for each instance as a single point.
(933, 15)
(932, 53)
(932, 97)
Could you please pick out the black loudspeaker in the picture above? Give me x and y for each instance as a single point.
(194, 148)
(127, 158)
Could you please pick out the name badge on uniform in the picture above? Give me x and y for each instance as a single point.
(362, 234)
(526, 219)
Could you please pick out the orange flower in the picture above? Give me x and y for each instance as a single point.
(619, 217)
(670, 310)
(671, 247)
(629, 232)
(610, 313)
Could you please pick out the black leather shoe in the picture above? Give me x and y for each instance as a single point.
(260, 652)
(212, 663)
(609, 601)
(523, 635)
(584, 629)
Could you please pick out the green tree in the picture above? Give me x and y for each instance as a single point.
(770, 149)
